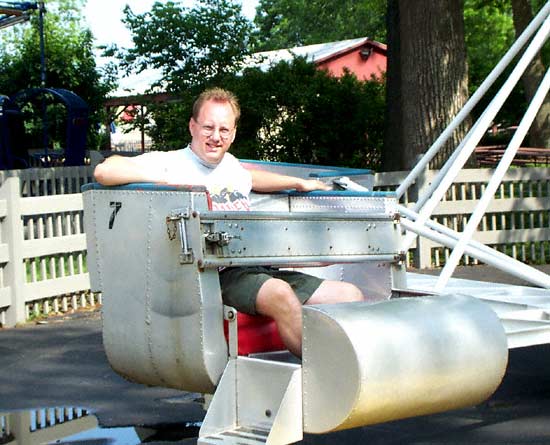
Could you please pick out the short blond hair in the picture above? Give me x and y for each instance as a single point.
(217, 95)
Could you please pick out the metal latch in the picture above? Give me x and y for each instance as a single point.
(220, 238)
(177, 222)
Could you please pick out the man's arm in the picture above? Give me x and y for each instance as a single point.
(263, 181)
(117, 170)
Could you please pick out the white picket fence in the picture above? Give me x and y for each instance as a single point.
(517, 222)
(44, 425)
(43, 245)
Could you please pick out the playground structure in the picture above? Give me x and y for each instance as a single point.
(12, 13)
(14, 153)
(418, 345)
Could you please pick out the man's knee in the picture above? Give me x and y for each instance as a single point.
(350, 292)
(276, 296)
(332, 292)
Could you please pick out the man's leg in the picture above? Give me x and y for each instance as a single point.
(277, 299)
(332, 292)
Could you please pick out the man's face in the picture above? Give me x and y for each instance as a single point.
(213, 132)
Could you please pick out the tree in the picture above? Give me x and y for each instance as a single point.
(297, 113)
(189, 46)
(427, 78)
(288, 23)
(70, 61)
(482, 18)
(291, 113)
(539, 134)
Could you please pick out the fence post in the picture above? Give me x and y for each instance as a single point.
(13, 232)
(423, 257)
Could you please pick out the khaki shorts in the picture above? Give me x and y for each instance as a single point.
(240, 285)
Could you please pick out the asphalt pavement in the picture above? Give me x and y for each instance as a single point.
(61, 362)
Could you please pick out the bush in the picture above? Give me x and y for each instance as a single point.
(292, 113)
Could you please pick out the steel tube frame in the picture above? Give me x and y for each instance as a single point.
(298, 261)
(506, 264)
(468, 144)
(494, 182)
(474, 99)
(482, 252)
(217, 216)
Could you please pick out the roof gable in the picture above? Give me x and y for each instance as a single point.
(317, 53)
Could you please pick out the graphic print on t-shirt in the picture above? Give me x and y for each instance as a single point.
(226, 199)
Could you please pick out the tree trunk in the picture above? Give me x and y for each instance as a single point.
(393, 141)
(539, 134)
(427, 79)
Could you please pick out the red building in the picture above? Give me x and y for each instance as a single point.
(363, 57)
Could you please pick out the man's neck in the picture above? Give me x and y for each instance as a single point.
(209, 165)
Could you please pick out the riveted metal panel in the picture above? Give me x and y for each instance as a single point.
(162, 320)
(371, 363)
(339, 202)
(294, 237)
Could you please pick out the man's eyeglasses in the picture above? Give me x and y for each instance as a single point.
(208, 130)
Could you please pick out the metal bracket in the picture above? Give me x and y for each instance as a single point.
(177, 222)
(401, 258)
(230, 314)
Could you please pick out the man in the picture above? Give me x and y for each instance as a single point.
(254, 290)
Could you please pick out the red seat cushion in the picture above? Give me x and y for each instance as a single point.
(257, 334)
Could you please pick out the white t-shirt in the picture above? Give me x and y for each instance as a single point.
(228, 182)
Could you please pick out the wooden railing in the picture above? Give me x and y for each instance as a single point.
(516, 222)
(43, 244)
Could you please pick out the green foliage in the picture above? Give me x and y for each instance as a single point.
(494, 18)
(293, 113)
(288, 23)
(187, 45)
(483, 18)
(70, 64)
(167, 125)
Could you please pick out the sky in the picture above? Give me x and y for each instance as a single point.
(104, 19)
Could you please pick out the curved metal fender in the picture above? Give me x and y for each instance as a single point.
(371, 363)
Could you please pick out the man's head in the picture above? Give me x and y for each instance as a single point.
(213, 124)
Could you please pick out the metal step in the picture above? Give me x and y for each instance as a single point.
(247, 411)
(238, 436)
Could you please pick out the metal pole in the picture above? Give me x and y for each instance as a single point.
(142, 128)
(495, 181)
(480, 128)
(508, 264)
(473, 244)
(41, 11)
(472, 102)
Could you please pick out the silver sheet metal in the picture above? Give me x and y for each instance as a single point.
(375, 279)
(343, 204)
(162, 320)
(257, 402)
(375, 203)
(524, 311)
(152, 256)
(371, 363)
(294, 238)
